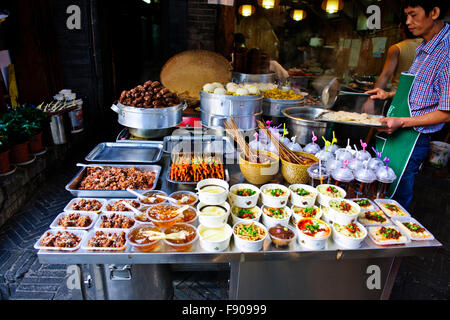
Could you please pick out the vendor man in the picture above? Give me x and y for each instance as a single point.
(429, 98)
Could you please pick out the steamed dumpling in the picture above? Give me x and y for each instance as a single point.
(209, 88)
(241, 92)
(220, 91)
(253, 90)
(232, 87)
(217, 85)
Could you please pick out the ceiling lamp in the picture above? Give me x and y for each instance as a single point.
(332, 6)
(246, 10)
(298, 14)
(268, 4)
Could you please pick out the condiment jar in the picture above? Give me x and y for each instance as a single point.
(385, 176)
(343, 177)
(312, 148)
(318, 175)
(365, 183)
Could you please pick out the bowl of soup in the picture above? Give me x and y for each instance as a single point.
(187, 236)
(140, 237)
(213, 216)
(245, 214)
(329, 192)
(274, 216)
(213, 191)
(185, 198)
(244, 195)
(152, 199)
(164, 215)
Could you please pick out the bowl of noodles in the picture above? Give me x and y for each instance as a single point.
(249, 236)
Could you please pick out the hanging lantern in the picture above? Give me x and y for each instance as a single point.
(332, 6)
(246, 10)
(268, 4)
(298, 14)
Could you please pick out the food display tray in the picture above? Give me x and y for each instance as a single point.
(388, 242)
(75, 200)
(91, 234)
(129, 152)
(72, 185)
(375, 207)
(92, 215)
(198, 144)
(400, 221)
(227, 178)
(380, 203)
(80, 233)
(108, 214)
(351, 123)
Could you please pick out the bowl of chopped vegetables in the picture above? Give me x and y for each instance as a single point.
(275, 195)
(349, 236)
(273, 216)
(303, 195)
(249, 236)
(343, 211)
(245, 214)
(244, 195)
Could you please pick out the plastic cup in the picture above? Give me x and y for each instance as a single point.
(365, 184)
(317, 176)
(343, 177)
(385, 177)
(311, 148)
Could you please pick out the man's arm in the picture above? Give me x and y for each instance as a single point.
(429, 119)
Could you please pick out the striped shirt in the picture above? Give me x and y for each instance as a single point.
(431, 89)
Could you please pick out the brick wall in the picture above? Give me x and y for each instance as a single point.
(202, 19)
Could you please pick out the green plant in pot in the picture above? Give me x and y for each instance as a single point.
(4, 148)
(37, 119)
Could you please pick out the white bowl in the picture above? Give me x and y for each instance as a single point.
(275, 202)
(348, 242)
(213, 221)
(323, 199)
(270, 222)
(302, 201)
(326, 215)
(213, 198)
(215, 239)
(244, 202)
(341, 217)
(235, 219)
(296, 216)
(315, 243)
(246, 245)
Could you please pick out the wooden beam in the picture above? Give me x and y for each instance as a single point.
(225, 30)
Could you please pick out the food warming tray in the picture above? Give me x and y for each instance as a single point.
(198, 144)
(72, 185)
(130, 152)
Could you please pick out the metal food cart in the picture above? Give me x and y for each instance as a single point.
(292, 273)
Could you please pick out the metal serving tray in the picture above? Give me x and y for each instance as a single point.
(72, 185)
(319, 118)
(198, 144)
(129, 152)
(227, 178)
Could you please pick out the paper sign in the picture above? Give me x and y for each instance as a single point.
(347, 43)
(379, 46)
(354, 53)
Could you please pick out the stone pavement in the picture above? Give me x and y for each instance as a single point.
(23, 277)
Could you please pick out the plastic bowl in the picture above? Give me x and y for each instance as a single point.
(210, 239)
(323, 199)
(247, 245)
(275, 202)
(343, 218)
(235, 219)
(213, 198)
(181, 247)
(310, 242)
(152, 193)
(163, 223)
(259, 173)
(180, 194)
(244, 202)
(297, 216)
(213, 221)
(348, 242)
(270, 222)
(147, 246)
(279, 242)
(303, 201)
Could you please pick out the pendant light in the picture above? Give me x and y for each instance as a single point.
(268, 4)
(332, 6)
(246, 10)
(298, 14)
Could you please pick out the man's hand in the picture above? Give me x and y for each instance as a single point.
(380, 94)
(392, 124)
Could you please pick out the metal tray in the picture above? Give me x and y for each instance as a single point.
(72, 185)
(198, 144)
(129, 152)
(227, 178)
(319, 118)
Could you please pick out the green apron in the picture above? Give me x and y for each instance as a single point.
(399, 146)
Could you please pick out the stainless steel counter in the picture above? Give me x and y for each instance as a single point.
(264, 264)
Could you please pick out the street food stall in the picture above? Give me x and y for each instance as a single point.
(288, 217)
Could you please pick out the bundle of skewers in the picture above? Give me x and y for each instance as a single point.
(56, 107)
(285, 153)
(196, 167)
(234, 132)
